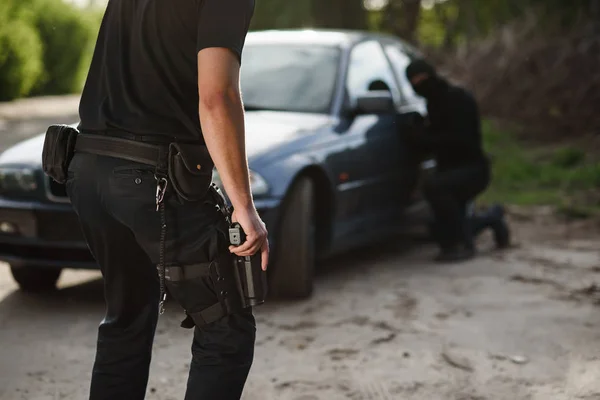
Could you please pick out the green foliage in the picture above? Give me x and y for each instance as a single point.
(46, 47)
(336, 14)
(93, 18)
(431, 31)
(575, 212)
(568, 157)
(277, 14)
(20, 56)
(447, 23)
(66, 33)
(452, 22)
(531, 176)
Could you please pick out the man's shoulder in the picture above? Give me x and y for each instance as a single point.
(461, 95)
(459, 90)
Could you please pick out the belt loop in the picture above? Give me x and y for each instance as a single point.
(162, 164)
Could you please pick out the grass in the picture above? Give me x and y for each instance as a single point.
(561, 176)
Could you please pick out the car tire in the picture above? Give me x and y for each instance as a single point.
(34, 279)
(292, 274)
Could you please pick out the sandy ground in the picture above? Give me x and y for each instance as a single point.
(384, 323)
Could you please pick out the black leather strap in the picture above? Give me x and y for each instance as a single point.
(208, 315)
(175, 273)
(151, 139)
(120, 148)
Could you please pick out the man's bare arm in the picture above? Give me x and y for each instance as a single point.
(222, 120)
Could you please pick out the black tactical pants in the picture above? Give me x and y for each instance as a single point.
(115, 202)
(448, 192)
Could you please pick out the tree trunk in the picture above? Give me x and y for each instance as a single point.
(339, 14)
(354, 14)
(278, 14)
(595, 9)
(451, 24)
(401, 17)
(467, 8)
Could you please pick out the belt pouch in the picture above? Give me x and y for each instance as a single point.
(59, 147)
(190, 170)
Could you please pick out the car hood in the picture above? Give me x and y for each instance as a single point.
(265, 130)
(27, 152)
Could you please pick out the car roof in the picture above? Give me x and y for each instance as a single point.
(324, 37)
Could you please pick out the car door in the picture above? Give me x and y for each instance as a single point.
(351, 161)
(379, 156)
(400, 56)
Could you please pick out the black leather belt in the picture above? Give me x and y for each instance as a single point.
(127, 149)
(121, 134)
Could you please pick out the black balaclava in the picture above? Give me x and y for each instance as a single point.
(432, 86)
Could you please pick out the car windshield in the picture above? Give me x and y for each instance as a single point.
(299, 78)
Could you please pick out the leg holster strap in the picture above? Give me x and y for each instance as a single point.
(178, 273)
(187, 281)
(204, 317)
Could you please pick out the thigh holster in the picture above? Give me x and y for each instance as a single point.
(196, 286)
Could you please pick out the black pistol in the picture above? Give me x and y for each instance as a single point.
(251, 279)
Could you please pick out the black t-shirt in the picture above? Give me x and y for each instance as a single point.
(143, 78)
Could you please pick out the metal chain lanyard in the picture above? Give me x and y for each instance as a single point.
(161, 188)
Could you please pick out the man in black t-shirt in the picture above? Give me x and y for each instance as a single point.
(162, 72)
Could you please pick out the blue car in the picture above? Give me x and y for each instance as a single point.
(325, 112)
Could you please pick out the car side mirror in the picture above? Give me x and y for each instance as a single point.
(375, 102)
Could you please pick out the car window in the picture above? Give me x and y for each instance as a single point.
(288, 77)
(399, 62)
(369, 69)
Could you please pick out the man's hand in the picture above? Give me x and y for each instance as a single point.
(256, 235)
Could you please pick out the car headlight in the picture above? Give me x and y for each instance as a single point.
(16, 178)
(258, 185)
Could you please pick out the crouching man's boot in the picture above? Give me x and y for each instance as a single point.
(499, 226)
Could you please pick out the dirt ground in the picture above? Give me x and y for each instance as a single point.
(384, 323)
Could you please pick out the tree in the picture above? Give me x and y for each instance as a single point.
(339, 14)
(333, 14)
(401, 18)
(281, 14)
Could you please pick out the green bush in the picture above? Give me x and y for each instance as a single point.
(568, 157)
(529, 174)
(66, 33)
(93, 19)
(45, 47)
(20, 58)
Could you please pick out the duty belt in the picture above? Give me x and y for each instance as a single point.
(131, 150)
(154, 155)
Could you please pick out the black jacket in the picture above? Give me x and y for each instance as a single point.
(452, 132)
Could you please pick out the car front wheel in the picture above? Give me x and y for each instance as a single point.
(293, 269)
(35, 279)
